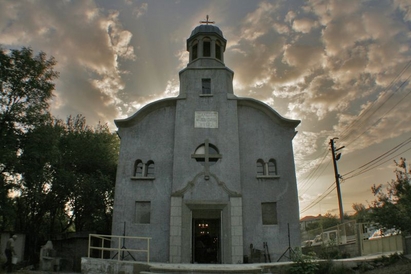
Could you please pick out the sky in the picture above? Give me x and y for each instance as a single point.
(342, 67)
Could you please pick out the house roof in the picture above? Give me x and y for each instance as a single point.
(311, 218)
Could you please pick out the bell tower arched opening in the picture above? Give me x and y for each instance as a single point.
(206, 41)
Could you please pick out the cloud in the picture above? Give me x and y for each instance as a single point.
(405, 7)
(332, 64)
(331, 55)
(304, 25)
(305, 58)
(380, 120)
(83, 38)
(119, 38)
(141, 10)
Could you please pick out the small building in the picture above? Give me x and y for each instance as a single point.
(310, 220)
(207, 174)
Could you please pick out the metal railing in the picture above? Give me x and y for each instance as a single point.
(106, 243)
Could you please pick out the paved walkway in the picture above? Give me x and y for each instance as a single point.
(217, 267)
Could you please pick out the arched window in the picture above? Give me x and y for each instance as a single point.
(267, 169)
(150, 169)
(218, 50)
(206, 47)
(200, 154)
(194, 53)
(143, 171)
(138, 168)
(272, 167)
(260, 167)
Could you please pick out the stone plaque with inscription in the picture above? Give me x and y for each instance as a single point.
(206, 119)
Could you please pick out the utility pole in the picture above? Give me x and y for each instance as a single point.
(337, 176)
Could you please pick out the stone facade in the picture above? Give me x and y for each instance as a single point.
(207, 173)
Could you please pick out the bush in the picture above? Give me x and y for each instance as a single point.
(302, 263)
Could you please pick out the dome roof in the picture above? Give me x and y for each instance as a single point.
(205, 29)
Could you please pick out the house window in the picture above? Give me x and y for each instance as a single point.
(194, 51)
(269, 213)
(272, 167)
(143, 171)
(206, 86)
(150, 169)
(143, 212)
(138, 168)
(260, 167)
(218, 50)
(267, 169)
(206, 47)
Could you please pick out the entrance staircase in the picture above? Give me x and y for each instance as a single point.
(214, 268)
(98, 266)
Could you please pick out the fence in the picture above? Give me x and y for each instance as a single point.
(340, 234)
(111, 246)
(351, 238)
(392, 243)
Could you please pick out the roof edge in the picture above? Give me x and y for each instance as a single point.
(250, 102)
(144, 111)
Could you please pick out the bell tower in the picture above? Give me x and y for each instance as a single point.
(206, 182)
(206, 42)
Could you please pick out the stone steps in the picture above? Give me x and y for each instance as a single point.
(205, 269)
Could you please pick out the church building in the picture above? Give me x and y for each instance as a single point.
(207, 174)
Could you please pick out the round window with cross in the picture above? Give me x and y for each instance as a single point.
(206, 154)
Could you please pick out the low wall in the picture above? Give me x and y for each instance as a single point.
(407, 245)
(348, 250)
(383, 245)
(71, 247)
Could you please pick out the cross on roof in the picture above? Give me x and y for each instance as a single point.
(207, 156)
(206, 21)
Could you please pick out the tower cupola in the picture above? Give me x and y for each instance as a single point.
(206, 41)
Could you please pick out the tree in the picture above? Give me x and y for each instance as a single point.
(61, 174)
(326, 221)
(37, 204)
(361, 214)
(329, 220)
(89, 167)
(67, 180)
(25, 91)
(392, 207)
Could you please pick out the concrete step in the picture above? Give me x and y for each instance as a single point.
(205, 269)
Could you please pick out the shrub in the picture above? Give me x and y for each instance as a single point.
(302, 263)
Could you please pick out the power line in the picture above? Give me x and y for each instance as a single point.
(382, 156)
(364, 170)
(348, 131)
(332, 187)
(366, 129)
(313, 172)
(365, 112)
(319, 198)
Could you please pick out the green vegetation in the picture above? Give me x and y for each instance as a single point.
(328, 220)
(392, 207)
(57, 176)
(303, 263)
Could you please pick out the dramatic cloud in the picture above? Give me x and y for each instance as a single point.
(87, 44)
(343, 67)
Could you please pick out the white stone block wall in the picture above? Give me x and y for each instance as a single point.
(175, 229)
(236, 230)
